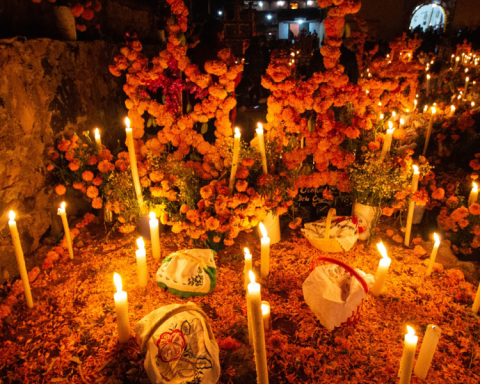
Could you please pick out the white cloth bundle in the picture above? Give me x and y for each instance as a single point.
(179, 346)
(343, 229)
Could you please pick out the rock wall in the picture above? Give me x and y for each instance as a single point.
(48, 89)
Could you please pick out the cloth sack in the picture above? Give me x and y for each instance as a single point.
(343, 228)
(188, 273)
(179, 346)
(333, 294)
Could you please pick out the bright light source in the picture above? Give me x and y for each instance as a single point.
(220, 13)
(260, 4)
(300, 22)
(269, 17)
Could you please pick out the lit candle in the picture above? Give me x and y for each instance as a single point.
(429, 130)
(266, 315)
(476, 303)
(411, 206)
(63, 215)
(415, 102)
(154, 236)
(22, 268)
(466, 86)
(473, 194)
(428, 84)
(433, 256)
(387, 141)
(265, 252)
(457, 59)
(257, 330)
(236, 151)
(452, 111)
(382, 270)
(261, 147)
(406, 364)
(427, 350)
(402, 123)
(98, 140)
(121, 308)
(142, 272)
(133, 162)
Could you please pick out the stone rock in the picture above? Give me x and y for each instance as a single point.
(447, 258)
(48, 89)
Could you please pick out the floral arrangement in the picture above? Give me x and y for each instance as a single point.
(82, 9)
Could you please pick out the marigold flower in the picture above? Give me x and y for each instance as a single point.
(206, 191)
(248, 162)
(97, 203)
(97, 181)
(87, 176)
(474, 209)
(77, 10)
(212, 223)
(60, 189)
(92, 191)
(78, 185)
(438, 194)
(241, 185)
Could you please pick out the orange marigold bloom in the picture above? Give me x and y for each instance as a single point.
(438, 194)
(88, 14)
(78, 185)
(77, 10)
(87, 176)
(74, 166)
(248, 162)
(212, 223)
(374, 145)
(184, 208)
(60, 189)
(97, 181)
(206, 191)
(50, 167)
(242, 173)
(97, 203)
(459, 214)
(92, 191)
(241, 185)
(474, 209)
(105, 166)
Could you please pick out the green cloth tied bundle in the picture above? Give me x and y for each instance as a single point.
(188, 273)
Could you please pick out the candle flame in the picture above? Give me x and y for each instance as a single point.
(117, 280)
(390, 127)
(237, 132)
(467, 79)
(415, 169)
(475, 186)
(402, 121)
(473, 104)
(436, 238)
(140, 243)
(259, 129)
(152, 215)
(410, 331)
(97, 133)
(265, 309)
(428, 77)
(415, 101)
(383, 251)
(381, 116)
(379, 103)
(434, 110)
(263, 230)
(425, 108)
(251, 275)
(63, 205)
(11, 215)
(457, 58)
(394, 114)
(127, 122)
(452, 108)
(247, 252)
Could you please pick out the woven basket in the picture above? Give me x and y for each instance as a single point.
(326, 244)
(355, 314)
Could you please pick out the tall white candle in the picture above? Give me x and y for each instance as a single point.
(142, 271)
(415, 102)
(476, 303)
(387, 141)
(406, 364)
(236, 151)
(121, 309)
(428, 84)
(266, 314)
(63, 215)
(98, 139)
(382, 270)
(452, 111)
(473, 194)
(258, 331)
(22, 268)
(247, 269)
(466, 87)
(154, 236)
(265, 252)
(261, 147)
(133, 162)
(411, 206)
(429, 130)
(457, 59)
(427, 350)
(433, 255)
(402, 123)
